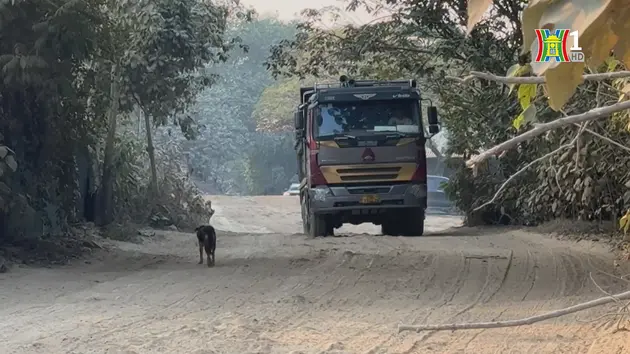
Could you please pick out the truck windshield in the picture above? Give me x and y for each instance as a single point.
(367, 117)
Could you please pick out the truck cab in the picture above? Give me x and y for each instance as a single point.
(361, 156)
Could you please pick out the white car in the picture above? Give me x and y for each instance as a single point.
(294, 189)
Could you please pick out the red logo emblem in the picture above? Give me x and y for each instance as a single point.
(368, 155)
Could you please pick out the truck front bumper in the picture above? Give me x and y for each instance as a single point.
(330, 199)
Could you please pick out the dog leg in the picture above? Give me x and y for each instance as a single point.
(210, 262)
(200, 253)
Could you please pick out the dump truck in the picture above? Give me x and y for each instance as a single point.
(361, 155)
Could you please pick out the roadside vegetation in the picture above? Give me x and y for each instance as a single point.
(124, 114)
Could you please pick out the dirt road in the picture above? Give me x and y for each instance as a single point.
(275, 291)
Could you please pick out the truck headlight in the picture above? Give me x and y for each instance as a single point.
(321, 193)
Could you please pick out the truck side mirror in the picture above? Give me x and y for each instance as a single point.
(432, 115)
(297, 120)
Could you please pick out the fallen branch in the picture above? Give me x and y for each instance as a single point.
(535, 79)
(519, 322)
(538, 129)
(590, 275)
(532, 163)
(622, 312)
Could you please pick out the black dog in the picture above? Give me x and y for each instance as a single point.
(207, 238)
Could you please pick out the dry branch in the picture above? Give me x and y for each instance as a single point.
(609, 140)
(519, 322)
(593, 114)
(519, 172)
(535, 79)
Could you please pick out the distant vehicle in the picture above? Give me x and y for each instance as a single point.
(436, 196)
(294, 189)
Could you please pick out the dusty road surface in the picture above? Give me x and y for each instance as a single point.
(275, 291)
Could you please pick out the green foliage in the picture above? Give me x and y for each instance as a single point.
(270, 169)
(228, 116)
(173, 42)
(179, 203)
(274, 110)
(197, 65)
(8, 166)
(59, 60)
(419, 37)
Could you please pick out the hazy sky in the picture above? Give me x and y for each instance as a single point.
(290, 9)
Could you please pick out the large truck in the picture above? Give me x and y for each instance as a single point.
(361, 155)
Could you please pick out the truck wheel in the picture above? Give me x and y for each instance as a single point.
(317, 225)
(330, 228)
(414, 222)
(305, 224)
(390, 228)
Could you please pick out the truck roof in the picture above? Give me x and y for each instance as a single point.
(360, 91)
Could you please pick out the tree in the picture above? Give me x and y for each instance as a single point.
(157, 67)
(220, 157)
(45, 117)
(560, 85)
(71, 71)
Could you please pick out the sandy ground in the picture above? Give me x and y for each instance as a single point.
(275, 291)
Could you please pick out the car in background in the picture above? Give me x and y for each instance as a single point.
(294, 189)
(437, 198)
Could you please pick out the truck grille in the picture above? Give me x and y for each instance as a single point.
(358, 174)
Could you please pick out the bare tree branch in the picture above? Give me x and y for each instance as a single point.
(535, 79)
(519, 322)
(609, 140)
(622, 312)
(532, 163)
(590, 275)
(593, 114)
(565, 146)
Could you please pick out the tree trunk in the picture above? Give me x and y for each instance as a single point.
(106, 195)
(151, 151)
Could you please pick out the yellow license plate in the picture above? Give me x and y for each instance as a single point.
(370, 199)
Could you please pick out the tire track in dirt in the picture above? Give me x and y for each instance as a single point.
(569, 276)
(274, 290)
(482, 296)
(525, 282)
(446, 300)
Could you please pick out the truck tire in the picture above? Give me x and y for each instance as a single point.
(305, 215)
(317, 225)
(330, 229)
(414, 222)
(390, 228)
